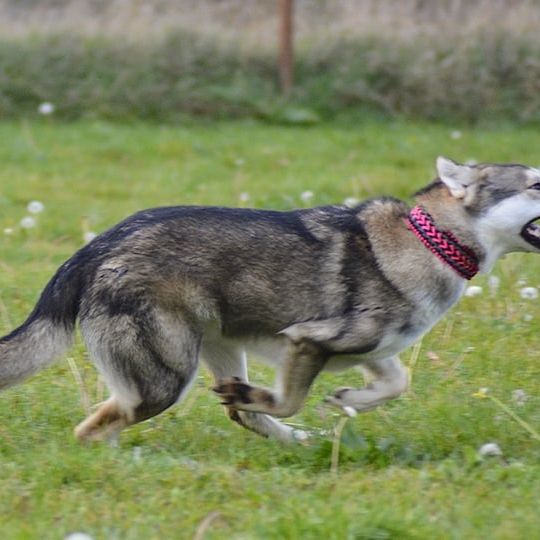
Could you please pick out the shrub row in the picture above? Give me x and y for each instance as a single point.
(495, 75)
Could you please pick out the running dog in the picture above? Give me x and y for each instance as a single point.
(326, 288)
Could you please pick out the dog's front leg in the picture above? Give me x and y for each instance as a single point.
(388, 379)
(303, 362)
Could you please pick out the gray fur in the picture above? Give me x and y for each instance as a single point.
(35, 347)
(320, 289)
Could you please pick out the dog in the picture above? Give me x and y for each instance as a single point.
(310, 290)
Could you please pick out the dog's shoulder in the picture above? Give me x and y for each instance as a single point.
(360, 220)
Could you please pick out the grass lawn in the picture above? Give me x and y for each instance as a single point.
(407, 471)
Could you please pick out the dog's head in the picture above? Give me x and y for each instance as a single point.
(502, 201)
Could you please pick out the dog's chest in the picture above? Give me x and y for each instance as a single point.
(395, 338)
(429, 309)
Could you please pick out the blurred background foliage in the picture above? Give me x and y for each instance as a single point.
(455, 60)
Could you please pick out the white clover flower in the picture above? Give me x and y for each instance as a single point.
(244, 197)
(473, 290)
(455, 134)
(27, 222)
(351, 202)
(528, 317)
(78, 536)
(490, 450)
(8, 231)
(35, 207)
(494, 283)
(519, 397)
(239, 162)
(306, 196)
(529, 293)
(46, 108)
(88, 236)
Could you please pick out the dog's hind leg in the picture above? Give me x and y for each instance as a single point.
(148, 360)
(227, 359)
(388, 379)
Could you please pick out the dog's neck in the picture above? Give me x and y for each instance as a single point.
(449, 214)
(443, 243)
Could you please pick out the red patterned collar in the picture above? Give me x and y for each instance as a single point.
(443, 244)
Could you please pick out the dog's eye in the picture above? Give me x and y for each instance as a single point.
(535, 186)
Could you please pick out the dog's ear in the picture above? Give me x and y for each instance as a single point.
(457, 177)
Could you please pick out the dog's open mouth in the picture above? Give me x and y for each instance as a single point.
(531, 232)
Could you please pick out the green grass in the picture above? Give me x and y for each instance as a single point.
(408, 470)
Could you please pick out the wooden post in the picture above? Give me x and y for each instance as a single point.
(286, 46)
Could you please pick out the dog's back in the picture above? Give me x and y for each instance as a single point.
(253, 271)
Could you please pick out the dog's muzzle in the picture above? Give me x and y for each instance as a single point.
(531, 233)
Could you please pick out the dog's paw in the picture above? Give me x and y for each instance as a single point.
(233, 391)
(240, 395)
(300, 436)
(339, 399)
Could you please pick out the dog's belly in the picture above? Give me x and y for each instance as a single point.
(389, 346)
(269, 350)
(272, 351)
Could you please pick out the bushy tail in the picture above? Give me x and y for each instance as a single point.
(48, 330)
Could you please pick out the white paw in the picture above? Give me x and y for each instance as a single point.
(338, 399)
(299, 435)
(350, 411)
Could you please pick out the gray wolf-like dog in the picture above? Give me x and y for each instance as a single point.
(310, 290)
